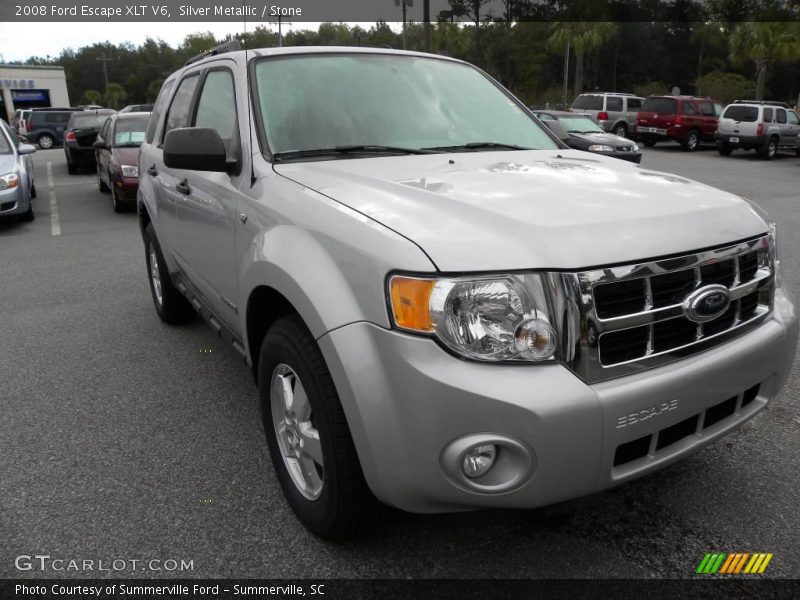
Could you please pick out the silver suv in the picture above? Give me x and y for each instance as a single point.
(613, 111)
(444, 307)
(762, 126)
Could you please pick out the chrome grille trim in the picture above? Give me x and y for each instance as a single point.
(581, 329)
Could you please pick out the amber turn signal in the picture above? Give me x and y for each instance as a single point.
(411, 303)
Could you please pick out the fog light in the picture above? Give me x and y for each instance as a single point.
(536, 339)
(478, 460)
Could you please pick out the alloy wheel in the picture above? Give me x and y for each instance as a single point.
(155, 275)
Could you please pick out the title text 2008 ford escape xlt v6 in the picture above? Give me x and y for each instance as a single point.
(444, 307)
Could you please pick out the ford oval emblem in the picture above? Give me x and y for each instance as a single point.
(707, 303)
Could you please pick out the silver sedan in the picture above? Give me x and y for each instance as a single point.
(17, 185)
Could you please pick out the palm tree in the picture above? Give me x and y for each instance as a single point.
(765, 43)
(584, 37)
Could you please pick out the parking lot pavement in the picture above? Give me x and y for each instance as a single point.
(122, 437)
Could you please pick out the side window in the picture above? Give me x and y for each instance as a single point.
(158, 108)
(793, 118)
(767, 115)
(781, 114)
(707, 109)
(614, 103)
(180, 111)
(687, 108)
(56, 117)
(217, 109)
(634, 105)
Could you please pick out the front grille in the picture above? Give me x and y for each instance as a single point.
(633, 317)
(665, 438)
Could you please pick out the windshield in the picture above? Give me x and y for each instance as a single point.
(660, 105)
(87, 121)
(742, 113)
(326, 101)
(5, 146)
(130, 132)
(587, 102)
(580, 125)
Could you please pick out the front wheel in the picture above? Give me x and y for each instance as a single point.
(308, 437)
(119, 207)
(724, 149)
(172, 307)
(649, 142)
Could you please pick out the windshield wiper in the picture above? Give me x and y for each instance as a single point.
(351, 149)
(479, 146)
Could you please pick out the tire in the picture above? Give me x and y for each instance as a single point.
(119, 207)
(101, 185)
(769, 150)
(332, 498)
(621, 130)
(691, 141)
(33, 190)
(649, 142)
(45, 142)
(28, 215)
(724, 149)
(172, 307)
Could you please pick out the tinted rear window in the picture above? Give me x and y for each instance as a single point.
(588, 102)
(660, 105)
(748, 114)
(87, 121)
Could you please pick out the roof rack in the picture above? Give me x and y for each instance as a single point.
(767, 102)
(229, 46)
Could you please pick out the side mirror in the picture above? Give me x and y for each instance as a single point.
(558, 129)
(99, 145)
(195, 149)
(26, 149)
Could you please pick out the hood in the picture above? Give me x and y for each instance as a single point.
(8, 163)
(548, 209)
(126, 156)
(609, 139)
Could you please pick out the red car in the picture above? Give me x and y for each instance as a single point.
(688, 120)
(116, 152)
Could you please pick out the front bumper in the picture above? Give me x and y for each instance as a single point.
(126, 188)
(14, 201)
(406, 400)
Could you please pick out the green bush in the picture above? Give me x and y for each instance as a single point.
(725, 87)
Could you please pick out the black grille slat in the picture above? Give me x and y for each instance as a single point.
(630, 451)
(748, 266)
(720, 411)
(671, 288)
(675, 433)
(621, 298)
(750, 394)
(619, 346)
(721, 323)
(673, 333)
(749, 304)
(722, 273)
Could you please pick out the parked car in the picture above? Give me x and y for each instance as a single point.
(18, 123)
(46, 126)
(582, 133)
(117, 157)
(614, 112)
(80, 134)
(762, 126)
(688, 120)
(17, 184)
(445, 308)
(137, 108)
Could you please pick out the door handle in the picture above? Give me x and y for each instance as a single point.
(151, 170)
(183, 187)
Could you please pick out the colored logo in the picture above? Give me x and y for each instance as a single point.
(707, 303)
(734, 563)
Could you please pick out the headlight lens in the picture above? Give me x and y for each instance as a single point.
(130, 171)
(11, 180)
(600, 148)
(636, 147)
(494, 318)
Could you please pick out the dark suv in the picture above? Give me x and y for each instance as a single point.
(688, 120)
(80, 134)
(46, 126)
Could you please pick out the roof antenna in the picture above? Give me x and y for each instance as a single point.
(249, 96)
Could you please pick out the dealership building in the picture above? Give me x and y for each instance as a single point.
(25, 86)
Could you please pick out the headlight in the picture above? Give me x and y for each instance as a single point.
(600, 148)
(9, 181)
(492, 318)
(636, 147)
(130, 171)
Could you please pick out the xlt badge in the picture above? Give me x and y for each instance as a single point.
(646, 413)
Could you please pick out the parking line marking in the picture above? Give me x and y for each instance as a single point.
(55, 225)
